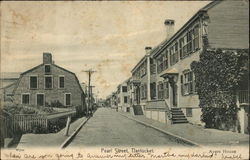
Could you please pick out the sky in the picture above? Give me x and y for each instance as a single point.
(108, 37)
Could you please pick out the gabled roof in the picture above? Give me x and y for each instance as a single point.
(22, 74)
(166, 42)
(32, 69)
(156, 50)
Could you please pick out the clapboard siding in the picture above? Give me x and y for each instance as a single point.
(54, 94)
(229, 25)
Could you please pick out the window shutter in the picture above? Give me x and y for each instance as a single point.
(182, 87)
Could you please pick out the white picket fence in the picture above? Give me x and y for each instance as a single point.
(27, 122)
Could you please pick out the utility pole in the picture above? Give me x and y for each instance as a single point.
(90, 72)
(91, 95)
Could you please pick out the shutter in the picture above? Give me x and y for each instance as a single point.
(182, 89)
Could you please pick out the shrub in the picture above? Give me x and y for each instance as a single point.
(218, 75)
(56, 104)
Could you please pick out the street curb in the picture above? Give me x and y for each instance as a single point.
(165, 132)
(70, 138)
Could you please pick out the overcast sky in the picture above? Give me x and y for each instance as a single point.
(108, 37)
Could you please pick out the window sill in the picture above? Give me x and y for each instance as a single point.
(33, 88)
(48, 88)
(190, 53)
(190, 94)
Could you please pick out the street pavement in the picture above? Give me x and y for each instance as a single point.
(108, 128)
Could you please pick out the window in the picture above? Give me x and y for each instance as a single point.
(153, 90)
(160, 64)
(143, 68)
(33, 82)
(189, 112)
(188, 83)
(25, 99)
(165, 60)
(152, 66)
(40, 99)
(124, 89)
(184, 45)
(67, 99)
(196, 38)
(174, 54)
(48, 82)
(143, 91)
(181, 44)
(125, 99)
(189, 41)
(47, 69)
(61, 81)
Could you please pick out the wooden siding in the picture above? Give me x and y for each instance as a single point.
(70, 86)
(229, 25)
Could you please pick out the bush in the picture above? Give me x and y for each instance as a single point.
(218, 74)
(56, 125)
(56, 104)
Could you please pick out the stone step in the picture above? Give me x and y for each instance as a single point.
(177, 113)
(175, 108)
(178, 117)
(178, 122)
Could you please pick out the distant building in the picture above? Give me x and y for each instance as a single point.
(48, 83)
(123, 97)
(7, 84)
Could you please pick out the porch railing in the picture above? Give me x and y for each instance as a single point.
(243, 97)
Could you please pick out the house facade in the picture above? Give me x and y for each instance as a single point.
(163, 84)
(175, 80)
(123, 97)
(47, 84)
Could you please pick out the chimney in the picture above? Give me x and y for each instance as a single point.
(169, 23)
(47, 58)
(148, 49)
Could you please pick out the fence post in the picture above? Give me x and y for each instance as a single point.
(67, 126)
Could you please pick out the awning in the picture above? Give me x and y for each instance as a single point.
(136, 82)
(167, 72)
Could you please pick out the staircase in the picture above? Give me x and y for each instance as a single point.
(137, 110)
(178, 116)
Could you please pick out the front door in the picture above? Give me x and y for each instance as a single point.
(138, 95)
(40, 99)
(173, 93)
(174, 89)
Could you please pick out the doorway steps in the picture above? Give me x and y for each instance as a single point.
(178, 116)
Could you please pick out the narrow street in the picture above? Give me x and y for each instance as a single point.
(109, 128)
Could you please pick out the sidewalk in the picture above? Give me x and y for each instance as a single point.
(194, 133)
(48, 140)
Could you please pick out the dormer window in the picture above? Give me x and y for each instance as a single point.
(47, 69)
